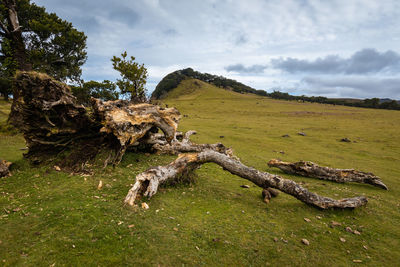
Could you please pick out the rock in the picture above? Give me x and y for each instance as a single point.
(301, 133)
(245, 186)
(333, 224)
(348, 229)
(285, 135)
(342, 239)
(307, 220)
(57, 168)
(305, 242)
(282, 152)
(275, 239)
(347, 140)
(365, 247)
(175, 229)
(318, 217)
(357, 261)
(100, 186)
(221, 136)
(5, 168)
(145, 206)
(131, 226)
(356, 232)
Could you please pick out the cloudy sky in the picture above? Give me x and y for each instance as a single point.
(335, 48)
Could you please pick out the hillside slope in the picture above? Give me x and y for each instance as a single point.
(50, 217)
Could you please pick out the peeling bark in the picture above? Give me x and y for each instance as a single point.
(147, 183)
(310, 169)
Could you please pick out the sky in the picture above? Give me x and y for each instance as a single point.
(335, 48)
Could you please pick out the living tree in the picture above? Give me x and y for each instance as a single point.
(133, 77)
(105, 91)
(33, 39)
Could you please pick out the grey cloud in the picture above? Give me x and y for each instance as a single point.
(353, 86)
(240, 68)
(362, 62)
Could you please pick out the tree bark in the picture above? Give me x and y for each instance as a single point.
(147, 183)
(310, 169)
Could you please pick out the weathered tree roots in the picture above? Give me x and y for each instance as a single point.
(310, 169)
(4, 168)
(147, 183)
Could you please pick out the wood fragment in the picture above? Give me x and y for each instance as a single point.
(5, 168)
(310, 169)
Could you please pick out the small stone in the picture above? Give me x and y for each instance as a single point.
(197, 247)
(365, 247)
(284, 241)
(221, 136)
(333, 224)
(145, 206)
(282, 152)
(305, 242)
(357, 261)
(318, 217)
(342, 239)
(347, 140)
(285, 135)
(131, 226)
(348, 229)
(301, 133)
(100, 185)
(275, 239)
(175, 229)
(57, 168)
(307, 220)
(245, 186)
(356, 232)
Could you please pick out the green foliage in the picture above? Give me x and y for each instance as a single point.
(133, 77)
(105, 91)
(173, 79)
(366, 103)
(52, 45)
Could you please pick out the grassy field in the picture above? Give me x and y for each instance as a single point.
(48, 218)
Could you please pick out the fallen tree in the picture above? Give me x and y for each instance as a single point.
(55, 126)
(311, 169)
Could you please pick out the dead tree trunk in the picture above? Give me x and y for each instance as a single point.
(310, 169)
(147, 183)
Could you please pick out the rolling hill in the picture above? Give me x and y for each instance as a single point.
(51, 217)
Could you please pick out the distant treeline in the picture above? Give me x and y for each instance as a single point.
(173, 79)
(365, 103)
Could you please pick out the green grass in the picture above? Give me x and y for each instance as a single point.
(63, 219)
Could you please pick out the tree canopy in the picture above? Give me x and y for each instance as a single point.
(105, 91)
(133, 77)
(33, 39)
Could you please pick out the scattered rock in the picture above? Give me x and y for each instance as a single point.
(356, 232)
(348, 229)
(175, 229)
(275, 239)
(221, 136)
(342, 239)
(145, 206)
(347, 140)
(333, 224)
(357, 261)
(245, 186)
(5, 168)
(301, 133)
(284, 240)
(285, 135)
(282, 152)
(318, 217)
(100, 186)
(305, 242)
(57, 168)
(131, 226)
(307, 220)
(365, 247)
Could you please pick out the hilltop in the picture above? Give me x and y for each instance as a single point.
(173, 79)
